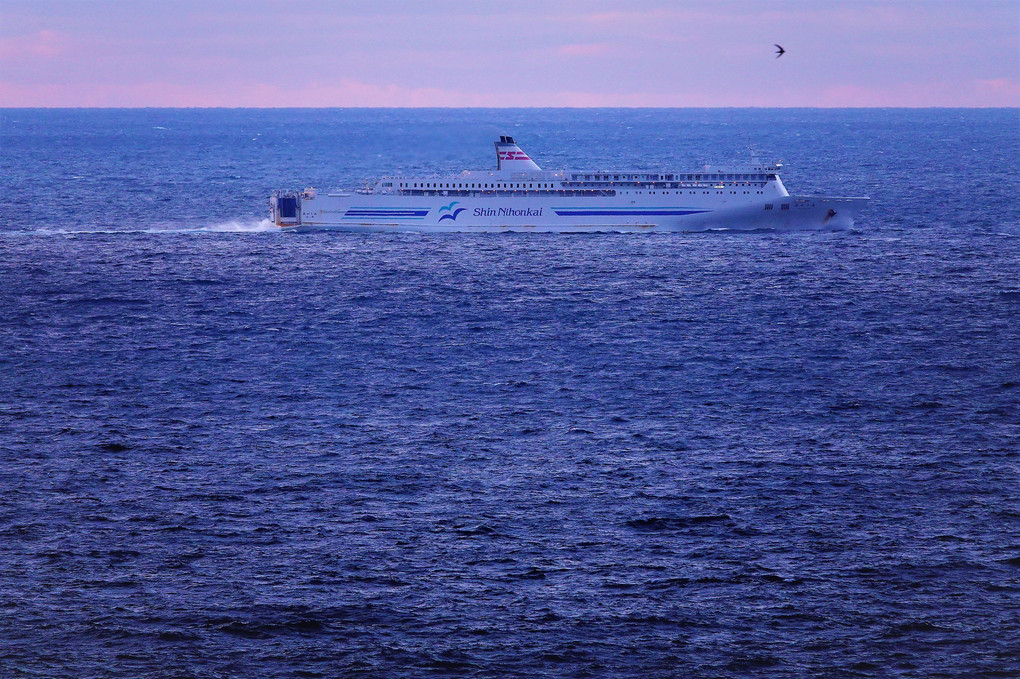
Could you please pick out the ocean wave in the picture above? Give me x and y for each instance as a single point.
(230, 226)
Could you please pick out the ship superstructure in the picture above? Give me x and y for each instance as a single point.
(519, 196)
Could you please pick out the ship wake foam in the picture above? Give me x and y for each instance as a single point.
(241, 226)
(231, 226)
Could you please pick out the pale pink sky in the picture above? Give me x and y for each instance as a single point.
(269, 53)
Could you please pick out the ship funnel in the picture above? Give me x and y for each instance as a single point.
(510, 157)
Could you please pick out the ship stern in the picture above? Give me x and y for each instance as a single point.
(285, 209)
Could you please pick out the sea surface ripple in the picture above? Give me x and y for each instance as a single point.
(230, 452)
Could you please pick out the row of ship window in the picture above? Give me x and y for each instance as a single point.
(440, 185)
(671, 177)
(539, 192)
(507, 192)
(597, 178)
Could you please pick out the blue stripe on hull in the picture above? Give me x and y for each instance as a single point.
(624, 213)
(385, 213)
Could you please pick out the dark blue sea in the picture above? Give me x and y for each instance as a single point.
(231, 452)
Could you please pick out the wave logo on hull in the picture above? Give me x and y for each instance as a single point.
(451, 212)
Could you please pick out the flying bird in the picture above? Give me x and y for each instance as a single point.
(779, 50)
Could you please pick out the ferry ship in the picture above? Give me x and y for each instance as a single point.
(520, 196)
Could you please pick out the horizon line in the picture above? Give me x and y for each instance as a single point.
(485, 108)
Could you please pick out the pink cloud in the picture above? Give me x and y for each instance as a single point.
(584, 50)
(982, 93)
(359, 93)
(42, 44)
(1004, 88)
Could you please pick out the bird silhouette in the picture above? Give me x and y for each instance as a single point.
(780, 51)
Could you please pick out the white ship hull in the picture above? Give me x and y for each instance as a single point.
(520, 196)
(523, 214)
